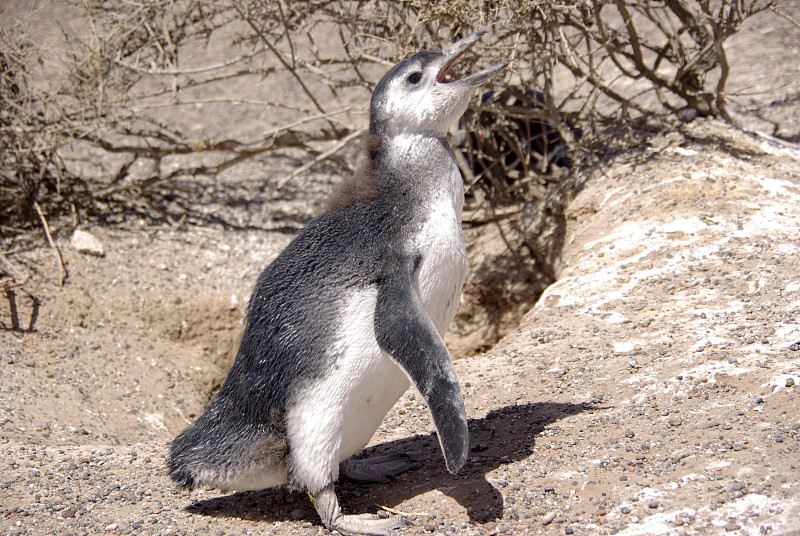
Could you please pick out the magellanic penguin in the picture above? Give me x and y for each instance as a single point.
(351, 312)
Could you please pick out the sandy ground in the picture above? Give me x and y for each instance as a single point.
(651, 390)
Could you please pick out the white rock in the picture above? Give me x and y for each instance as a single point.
(86, 242)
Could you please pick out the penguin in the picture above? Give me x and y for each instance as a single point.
(352, 313)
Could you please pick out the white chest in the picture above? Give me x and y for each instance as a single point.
(444, 259)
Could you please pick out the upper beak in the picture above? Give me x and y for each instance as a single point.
(454, 52)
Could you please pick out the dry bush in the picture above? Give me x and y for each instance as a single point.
(583, 75)
(30, 133)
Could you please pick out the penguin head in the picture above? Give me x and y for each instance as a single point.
(416, 96)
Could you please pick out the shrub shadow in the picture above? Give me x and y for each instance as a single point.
(503, 436)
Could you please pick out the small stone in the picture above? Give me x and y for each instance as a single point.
(625, 510)
(298, 514)
(306, 524)
(675, 421)
(549, 490)
(569, 530)
(69, 512)
(85, 242)
(738, 446)
(430, 527)
(678, 456)
(789, 382)
(725, 426)
(548, 518)
(795, 347)
(112, 526)
(653, 505)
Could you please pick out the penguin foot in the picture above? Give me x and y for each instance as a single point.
(378, 470)
(369, 524)
(327, 506)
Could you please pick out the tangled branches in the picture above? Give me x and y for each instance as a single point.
(154, 93)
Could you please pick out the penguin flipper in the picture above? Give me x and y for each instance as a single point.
(405, 331)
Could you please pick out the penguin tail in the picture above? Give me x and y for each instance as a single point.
(178, 465)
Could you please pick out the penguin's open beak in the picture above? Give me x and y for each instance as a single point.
(454, 52)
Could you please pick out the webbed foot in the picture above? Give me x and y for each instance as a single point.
(327, 506)
(378, 470)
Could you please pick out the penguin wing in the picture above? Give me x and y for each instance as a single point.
(405, 331)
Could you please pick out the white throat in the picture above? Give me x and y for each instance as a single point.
(428, 162)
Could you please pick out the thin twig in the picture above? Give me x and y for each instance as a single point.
(784, 15)
(268, 43)
(9, 268)
(61, 268)
(187, 71)
(399, 513)
(322, 156)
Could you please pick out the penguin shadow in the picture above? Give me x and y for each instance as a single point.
(504, 436)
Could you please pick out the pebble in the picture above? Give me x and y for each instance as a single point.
(625, 510)
(795, 347)
(430, 527)
(298, 514)
(653, 505)
(569, 530)
(678, 456)
(789, 382)
(548, 518)
(85, 242)
(675, 421)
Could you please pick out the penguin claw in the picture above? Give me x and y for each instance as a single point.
(369, 524)
(327, 506)
(378, 470)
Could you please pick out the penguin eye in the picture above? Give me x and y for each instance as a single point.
(414, 78)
